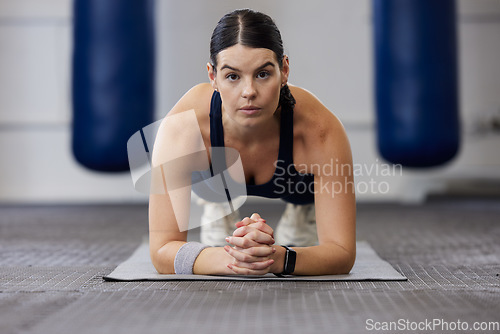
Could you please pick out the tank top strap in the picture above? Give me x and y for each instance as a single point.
(286, 137)
(216, 129)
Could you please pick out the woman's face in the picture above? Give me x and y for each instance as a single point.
(249, 82)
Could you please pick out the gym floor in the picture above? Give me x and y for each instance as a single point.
(53, 258)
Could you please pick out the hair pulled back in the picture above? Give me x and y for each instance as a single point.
(253, 29)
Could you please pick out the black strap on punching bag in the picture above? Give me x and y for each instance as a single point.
(113, 79)
(416, 81)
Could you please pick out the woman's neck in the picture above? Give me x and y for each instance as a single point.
(249, 135)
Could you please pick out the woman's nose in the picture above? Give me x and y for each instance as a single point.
(249, 90)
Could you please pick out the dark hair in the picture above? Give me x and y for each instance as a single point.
(254, 29)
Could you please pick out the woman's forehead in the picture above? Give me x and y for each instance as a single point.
(245, 58)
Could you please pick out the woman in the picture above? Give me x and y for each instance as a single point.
(285, 138)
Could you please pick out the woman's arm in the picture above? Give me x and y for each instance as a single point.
(325, 152)
(178, 151)
(335, 209)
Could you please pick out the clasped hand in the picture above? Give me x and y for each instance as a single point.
(252, 242)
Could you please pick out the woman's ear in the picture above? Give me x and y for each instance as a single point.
(285, 71)
(211, 75)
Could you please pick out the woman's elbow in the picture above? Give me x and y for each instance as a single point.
(161, 263)
(344, 262)
(348, 263)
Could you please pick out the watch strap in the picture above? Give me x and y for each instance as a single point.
(290, 259)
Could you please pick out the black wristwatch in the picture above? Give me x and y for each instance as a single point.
(290, 258)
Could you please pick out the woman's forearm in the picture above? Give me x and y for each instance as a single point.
(211, 260)
(326, 259)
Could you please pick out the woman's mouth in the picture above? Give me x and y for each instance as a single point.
(249, 110)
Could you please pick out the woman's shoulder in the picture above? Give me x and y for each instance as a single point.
(311, 117)
(197, 98)
(185, 124)
(195, 101)
(316, 128)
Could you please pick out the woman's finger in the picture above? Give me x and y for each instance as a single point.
(252, 220)
(252, 266)
(245, 222)
(242, 242)
(256, 217)
(259, 225)
(243, 230)
(256, 227)
(254, 254)
(252, 234)
(246, 271)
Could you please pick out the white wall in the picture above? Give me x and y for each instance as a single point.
(330, 49)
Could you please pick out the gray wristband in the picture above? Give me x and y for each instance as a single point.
(185, 257)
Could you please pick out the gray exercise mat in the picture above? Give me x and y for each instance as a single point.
(368, 267)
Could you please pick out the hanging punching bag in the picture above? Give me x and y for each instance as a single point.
(113, 79)
(416, 81)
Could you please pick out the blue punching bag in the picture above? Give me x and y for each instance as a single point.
(113, 79)
(416, 81)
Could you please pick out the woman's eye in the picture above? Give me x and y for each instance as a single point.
(263, 75)
(232, 77)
